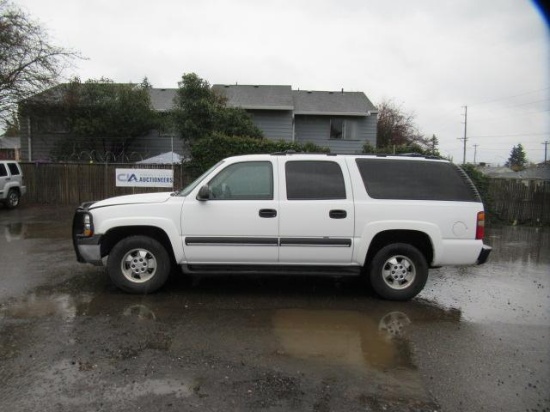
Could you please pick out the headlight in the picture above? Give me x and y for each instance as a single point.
(87, 226)
(83, 224)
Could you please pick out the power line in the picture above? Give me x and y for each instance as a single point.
(510, 97)
(511, 135)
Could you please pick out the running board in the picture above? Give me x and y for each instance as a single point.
(272, 270)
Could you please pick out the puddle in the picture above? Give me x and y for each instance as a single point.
(512, 287)
(344, 337)
(148, 387)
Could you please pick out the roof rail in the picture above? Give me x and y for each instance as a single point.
(286, 152)
(412, 154)
(291, 152)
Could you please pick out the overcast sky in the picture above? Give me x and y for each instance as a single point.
(431, 56)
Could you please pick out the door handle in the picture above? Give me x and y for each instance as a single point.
(268, 213)
(338, 214)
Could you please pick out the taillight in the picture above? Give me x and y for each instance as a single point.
(480, 228)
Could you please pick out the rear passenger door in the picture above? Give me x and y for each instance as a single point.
(316, 212)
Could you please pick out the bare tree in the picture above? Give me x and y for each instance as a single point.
(29, 63)
(397, 128)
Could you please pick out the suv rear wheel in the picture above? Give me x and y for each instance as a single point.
(398, 271)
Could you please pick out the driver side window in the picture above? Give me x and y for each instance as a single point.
(244, 181)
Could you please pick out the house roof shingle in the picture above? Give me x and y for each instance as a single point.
(332, 103)
(12, 143)
(301, 101)
(262, 97)
(256, 96)
(162, 100)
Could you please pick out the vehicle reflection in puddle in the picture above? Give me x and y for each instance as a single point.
(42, 306)
(346, 337)
(20, 231)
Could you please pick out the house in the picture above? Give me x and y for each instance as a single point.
(534, 172)
(342, 121)
(41, 135)
(10, 148)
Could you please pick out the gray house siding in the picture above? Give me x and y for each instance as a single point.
(153, 144)
(275, 124)
(42, 144)
(278, 111)
(316, 129)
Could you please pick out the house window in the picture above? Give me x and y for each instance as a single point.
(336, 128)
(343, 129)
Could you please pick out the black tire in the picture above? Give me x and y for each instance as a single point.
(398, 272)
(139, 264)
(12, 201)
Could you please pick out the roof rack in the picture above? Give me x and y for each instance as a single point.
(412, 154)
(291, 152)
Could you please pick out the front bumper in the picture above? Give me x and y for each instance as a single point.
(484, 254)
(87, 248)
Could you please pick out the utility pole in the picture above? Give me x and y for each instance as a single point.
(465, 138)
(475, 152)
(545, 149)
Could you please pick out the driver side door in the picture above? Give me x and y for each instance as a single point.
(238, 223)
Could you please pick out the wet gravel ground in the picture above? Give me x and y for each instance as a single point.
(476, 338)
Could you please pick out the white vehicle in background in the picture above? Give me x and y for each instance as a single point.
(11, 183)
(389, 218)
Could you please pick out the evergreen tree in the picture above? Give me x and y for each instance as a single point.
(518, 159)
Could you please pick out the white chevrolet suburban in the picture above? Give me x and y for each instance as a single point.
(389, 218)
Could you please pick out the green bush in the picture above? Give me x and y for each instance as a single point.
(209, 150)
(482, 184)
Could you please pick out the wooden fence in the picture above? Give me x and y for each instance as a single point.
(74, 183)
(520, 201)
(510, 200)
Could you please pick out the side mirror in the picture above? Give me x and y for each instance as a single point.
(204, 193)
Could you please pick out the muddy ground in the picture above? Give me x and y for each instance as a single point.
(476, 339)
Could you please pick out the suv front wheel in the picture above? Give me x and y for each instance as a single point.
(398, 271)
(12, 201)
(139, 264)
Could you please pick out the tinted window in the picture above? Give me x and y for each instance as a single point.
(415, 180)
(13, 169)
(244, 181)
(3, 171)
(308, 180)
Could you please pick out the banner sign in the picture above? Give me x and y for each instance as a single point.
(144, 177)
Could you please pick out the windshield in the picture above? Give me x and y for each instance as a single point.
(195, 183)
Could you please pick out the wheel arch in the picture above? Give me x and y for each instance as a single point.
(114, 235)
(416, 238)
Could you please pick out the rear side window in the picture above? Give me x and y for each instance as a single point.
(416, 180)
(14, 170)
(3, 171)
(314, 180)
